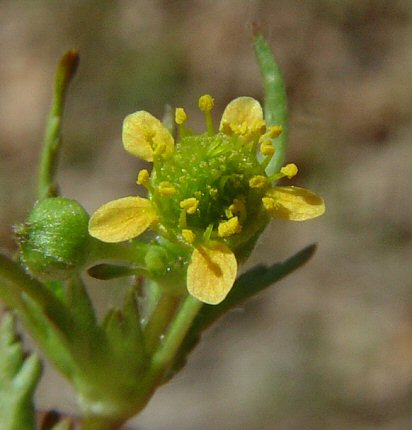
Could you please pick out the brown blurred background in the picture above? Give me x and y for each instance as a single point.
(330, 347)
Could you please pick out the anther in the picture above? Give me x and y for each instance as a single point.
(180, 116)
(267, 148)
(188, 235)
(143, 178)
(189, 205)
(206, 103)
(166, 189)
(290, 170)
(229, 227)
(258, 181)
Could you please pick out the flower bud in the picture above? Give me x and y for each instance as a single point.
(54, 239)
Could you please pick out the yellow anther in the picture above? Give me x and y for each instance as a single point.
(289, 170)
(188, 235)
(275, 131)
(268, 203)
(180, 116)
(143, 178)
(258, 181)
(206, 103)
(229, 227)
(166, 189)
(266, 148)
(189, 205)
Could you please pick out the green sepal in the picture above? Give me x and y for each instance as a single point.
(19, 375)
(106, 271)
(246, 286)
(66, 69)
(275, 103)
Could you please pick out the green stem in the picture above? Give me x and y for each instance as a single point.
(275, 104)
(159, 320)
(46, 186)
(173, 339)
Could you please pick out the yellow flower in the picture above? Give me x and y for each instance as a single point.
(209, 193)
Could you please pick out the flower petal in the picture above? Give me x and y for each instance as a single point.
(143, 135)
(293, 203)
(243, 116)
(211, 273)
(122, 219)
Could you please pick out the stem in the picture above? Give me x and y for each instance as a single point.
(164, 356)
(159, 320)
(275, 105)
(46, 186)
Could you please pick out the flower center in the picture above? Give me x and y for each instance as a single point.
(206, 182)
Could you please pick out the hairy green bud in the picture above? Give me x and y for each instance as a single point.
(54, 240)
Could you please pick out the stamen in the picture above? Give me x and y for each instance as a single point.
(180, 118)
(229, 227)
(275, 131)
(143, 178)
(258, 181)
(290, 170)
(189, 205)
(206, 104)
(267, 148)
(188, 235)
(166, 189)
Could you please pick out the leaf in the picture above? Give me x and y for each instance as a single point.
(247, 285)
(19, 375)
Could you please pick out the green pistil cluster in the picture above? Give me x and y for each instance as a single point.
(213, 175)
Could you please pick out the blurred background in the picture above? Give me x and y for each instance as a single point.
(330, 347)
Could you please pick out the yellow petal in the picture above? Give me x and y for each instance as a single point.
(211, 273)
(293, 203)
(243, 116)
(122, 219)
(143, 134)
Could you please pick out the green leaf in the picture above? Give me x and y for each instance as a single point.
(247, 285)
(19, 375)
(275, 104)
